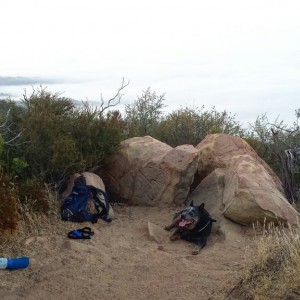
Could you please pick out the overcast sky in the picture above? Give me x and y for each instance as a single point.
(242, 56)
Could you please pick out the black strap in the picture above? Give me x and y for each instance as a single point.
(84, 233)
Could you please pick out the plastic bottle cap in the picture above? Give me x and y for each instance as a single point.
(3, 263)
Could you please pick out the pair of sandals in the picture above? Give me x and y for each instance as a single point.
(84, 233)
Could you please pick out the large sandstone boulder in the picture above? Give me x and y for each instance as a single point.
(147, 171)
(238, 184)
(217, 150)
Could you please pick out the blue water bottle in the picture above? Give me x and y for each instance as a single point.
(14, 263)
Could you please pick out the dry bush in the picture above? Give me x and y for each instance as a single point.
(33, 195)
(30, 223)
(8, 205)
(274, 271)
(35, 221)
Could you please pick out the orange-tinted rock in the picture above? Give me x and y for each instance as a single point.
(239, 185)
(147, 171)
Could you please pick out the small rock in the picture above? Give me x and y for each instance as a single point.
(157, 233)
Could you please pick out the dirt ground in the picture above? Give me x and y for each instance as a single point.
(122, 262)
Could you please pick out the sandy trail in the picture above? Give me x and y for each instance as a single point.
(121, 262)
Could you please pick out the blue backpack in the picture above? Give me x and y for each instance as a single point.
(74, 207)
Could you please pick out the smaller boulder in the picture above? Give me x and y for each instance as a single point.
(157, 233)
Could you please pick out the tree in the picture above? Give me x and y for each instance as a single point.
(279, 145)
(144, 114)
(60, 138)
(47, 126)
(190, 125)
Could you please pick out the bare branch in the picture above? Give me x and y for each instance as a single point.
(5, 129)
(117, 98)
(6, 119)
(13, 139)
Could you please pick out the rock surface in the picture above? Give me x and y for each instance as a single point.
(238, 184)
(147, 171)
(222, 171)
(217, 150)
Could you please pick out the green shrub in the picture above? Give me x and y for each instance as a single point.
(59, 138)
(191, 125)
(96, 135)
(144, 114)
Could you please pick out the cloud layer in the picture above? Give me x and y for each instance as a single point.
(18, 80)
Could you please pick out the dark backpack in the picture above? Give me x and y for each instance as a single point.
(74, 207)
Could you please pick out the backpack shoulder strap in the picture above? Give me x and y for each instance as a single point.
(101, 202)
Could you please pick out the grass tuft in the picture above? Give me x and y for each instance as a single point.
(274, 271)
(29, 223)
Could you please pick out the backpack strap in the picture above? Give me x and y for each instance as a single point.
(99, 203)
